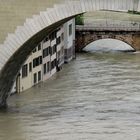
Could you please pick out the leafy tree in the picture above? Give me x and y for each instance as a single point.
(79, 20)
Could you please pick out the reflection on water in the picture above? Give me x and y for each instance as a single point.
(95, 97)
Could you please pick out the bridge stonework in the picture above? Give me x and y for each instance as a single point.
(84, 38)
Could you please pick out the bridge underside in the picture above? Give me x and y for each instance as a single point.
(84, 38)
(9, 72)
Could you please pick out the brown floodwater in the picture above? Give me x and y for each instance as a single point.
(95, 97)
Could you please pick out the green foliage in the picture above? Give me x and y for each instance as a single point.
(133, 12)
(79, 20)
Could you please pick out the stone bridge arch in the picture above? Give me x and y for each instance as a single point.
(18, 45)
(12, 67)
(84, 38)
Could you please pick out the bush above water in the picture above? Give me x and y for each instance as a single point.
(79, 20)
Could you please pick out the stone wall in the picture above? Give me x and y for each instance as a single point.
(83, 38)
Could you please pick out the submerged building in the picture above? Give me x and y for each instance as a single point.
(47, 58)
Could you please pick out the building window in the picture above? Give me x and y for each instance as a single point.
(39, 76)
(37, 61)
(53, 64)
(48, 66)
(45, 52)
(58, 41)
(53, 35)
(58, 29)
(34, 50)
(39, 47)
(44, 69)
(25, 71)
(40, 60)
(54, 49)
(58, 57)
(70, 29)
(46, 39)
(30, 67)
(35, 78)
(50, 50)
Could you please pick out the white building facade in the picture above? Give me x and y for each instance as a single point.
(47, 58)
